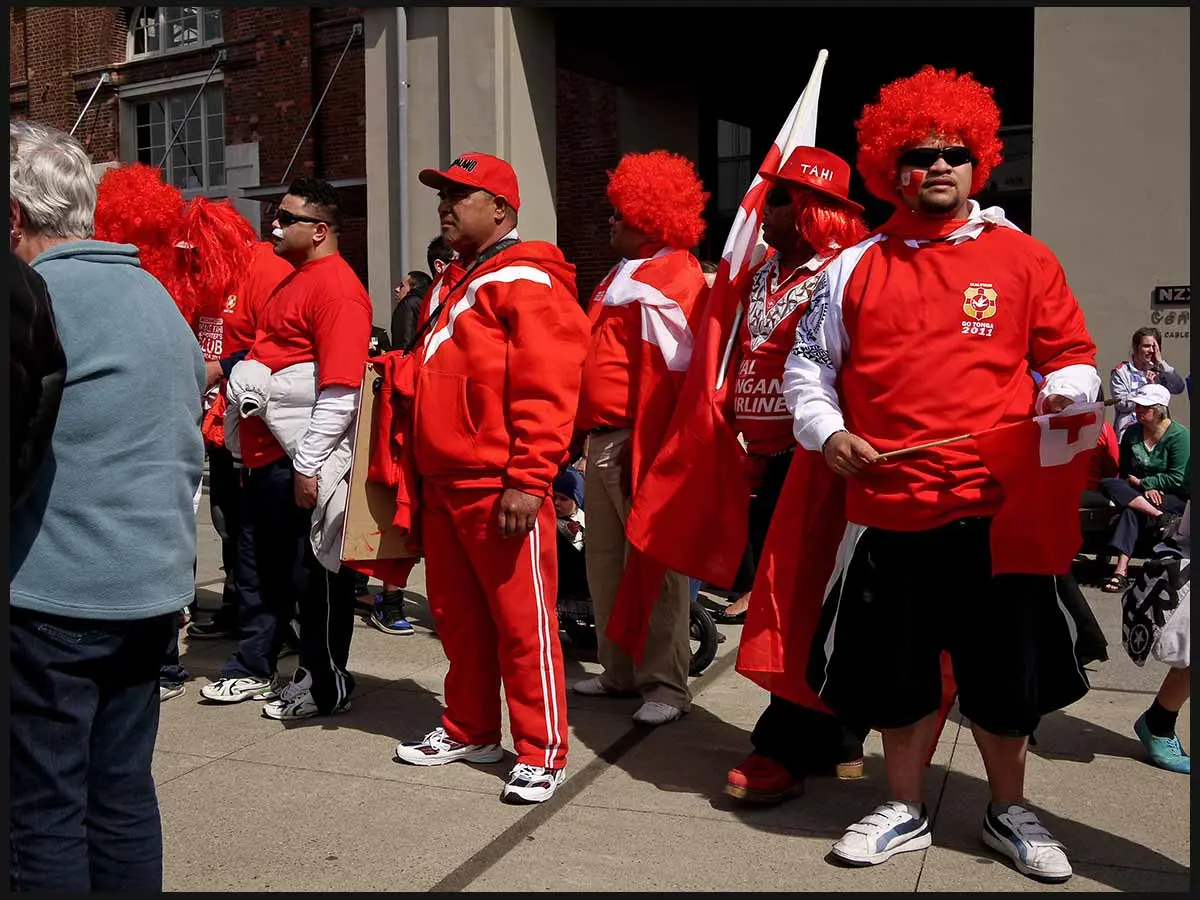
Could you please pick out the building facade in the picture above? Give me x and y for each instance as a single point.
(1089, 96)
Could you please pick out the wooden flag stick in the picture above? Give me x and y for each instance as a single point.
(953, 440)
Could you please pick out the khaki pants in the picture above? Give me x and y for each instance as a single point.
(663, 674)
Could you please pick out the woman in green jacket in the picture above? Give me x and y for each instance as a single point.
(1155, 480)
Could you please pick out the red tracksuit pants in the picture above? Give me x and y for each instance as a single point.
(494, 603)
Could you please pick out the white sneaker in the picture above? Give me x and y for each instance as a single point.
(1017, 834)
(880, 835)
(531, 784)
(437, 748)
(235, 690)
(296, 700)
(169, 691)
(653, 713)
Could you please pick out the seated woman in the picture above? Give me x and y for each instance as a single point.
(1154, 482)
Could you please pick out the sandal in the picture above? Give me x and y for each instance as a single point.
(1117, 584)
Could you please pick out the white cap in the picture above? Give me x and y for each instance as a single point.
(1151, 395)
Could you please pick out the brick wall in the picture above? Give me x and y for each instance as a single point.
(587, 150)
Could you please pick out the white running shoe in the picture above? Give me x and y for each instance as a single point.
(296, 700)
(880, 835)
(170, 691)
(437, 748)
(235, 690)
(531, 784)
(1017, 834)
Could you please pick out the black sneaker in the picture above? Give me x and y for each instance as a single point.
(208, 630)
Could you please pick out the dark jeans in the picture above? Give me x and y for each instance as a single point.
(1131, 524)
(288, 573)
(172, 671)
(83, 810)
(230, 510)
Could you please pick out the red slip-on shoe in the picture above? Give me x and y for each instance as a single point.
(759, 779)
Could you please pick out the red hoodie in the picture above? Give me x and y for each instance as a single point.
(498, 384)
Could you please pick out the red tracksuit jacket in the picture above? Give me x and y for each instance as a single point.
(500, 370)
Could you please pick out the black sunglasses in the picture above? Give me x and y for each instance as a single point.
(925, 157)
(285, 218)
(778, 196)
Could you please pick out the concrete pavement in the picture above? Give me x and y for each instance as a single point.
(319, 805)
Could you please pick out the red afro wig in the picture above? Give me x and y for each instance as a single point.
(827, 225)
(217, 242)
(134, 206)
(934, 102)
(660, 194)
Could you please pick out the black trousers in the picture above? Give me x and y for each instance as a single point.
(800, 739)
(1131, 524)
(290, 575)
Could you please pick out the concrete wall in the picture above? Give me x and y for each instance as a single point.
(1111, 166)
(482, 78)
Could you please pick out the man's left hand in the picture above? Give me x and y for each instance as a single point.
(306, 491)
(517, 512)
(212, 373)
(1055, 403)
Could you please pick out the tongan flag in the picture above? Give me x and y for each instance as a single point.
(1042, 466)
(692, 513)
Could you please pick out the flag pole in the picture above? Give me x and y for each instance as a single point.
(953, 440)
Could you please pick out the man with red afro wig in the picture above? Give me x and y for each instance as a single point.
(643, 316)
(229, 272)
(925, 331)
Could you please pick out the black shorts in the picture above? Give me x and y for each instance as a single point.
(900, 598)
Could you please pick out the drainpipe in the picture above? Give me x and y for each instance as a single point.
(402, 133)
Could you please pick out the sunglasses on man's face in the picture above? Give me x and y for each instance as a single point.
(285, 218)
(925, 157)
(778, 196)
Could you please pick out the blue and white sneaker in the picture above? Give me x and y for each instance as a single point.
(1165, 752)
(880, 835)
(1017, 834)
(388, 616)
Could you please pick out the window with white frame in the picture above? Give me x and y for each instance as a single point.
(734, 167)
(197, 158)
(162, 29)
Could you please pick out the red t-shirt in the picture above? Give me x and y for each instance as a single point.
(942, 339)
(768, 334)
(608, 395)
(243, 310)
(320, 313)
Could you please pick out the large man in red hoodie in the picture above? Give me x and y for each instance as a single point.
(500, 365)
(925, 331)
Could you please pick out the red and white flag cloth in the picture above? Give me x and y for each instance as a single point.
(691, 513)
(668, 289)
(1042, 466)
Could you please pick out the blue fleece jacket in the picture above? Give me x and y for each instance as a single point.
(109, 531)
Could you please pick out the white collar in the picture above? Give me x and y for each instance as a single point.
(977, 220)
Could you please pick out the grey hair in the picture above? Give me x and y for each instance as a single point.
(50, 177)
(1160, 411)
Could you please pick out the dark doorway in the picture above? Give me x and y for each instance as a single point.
(749, 65)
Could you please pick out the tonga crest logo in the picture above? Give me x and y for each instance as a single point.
(979, 301)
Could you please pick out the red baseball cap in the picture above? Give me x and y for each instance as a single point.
(477, 170)
(818, 170)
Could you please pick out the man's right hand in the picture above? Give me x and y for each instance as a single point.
(212, 373)
(848, 454)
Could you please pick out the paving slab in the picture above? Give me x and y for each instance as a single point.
(589, 849)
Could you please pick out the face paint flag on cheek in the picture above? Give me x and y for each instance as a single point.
(910, 182)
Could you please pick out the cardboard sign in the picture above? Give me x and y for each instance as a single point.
(370, 508)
